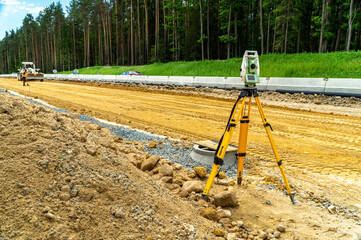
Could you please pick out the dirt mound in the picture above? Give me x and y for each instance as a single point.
(64, 179)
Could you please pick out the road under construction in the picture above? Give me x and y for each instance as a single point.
(326, 144)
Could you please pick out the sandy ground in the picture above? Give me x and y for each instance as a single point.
(320, 147)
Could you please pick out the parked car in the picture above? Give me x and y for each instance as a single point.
(131, 73)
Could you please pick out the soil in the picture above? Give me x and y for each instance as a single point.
(46, 155)
(62, 180)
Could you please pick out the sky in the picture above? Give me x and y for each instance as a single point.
(12, 12)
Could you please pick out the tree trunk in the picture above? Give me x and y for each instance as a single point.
(74, 51)
(208, 33)
(109, 35)
(156, 30)
(139, 42)
(261, 23)
(116, 33)
(122, 40)
(88, 47)
(201, 21)
(55, 59)
(274, 36)
(84, 64)
(100, 44)
(286, 34)
(131, 34)
(165, 30)
(26, 45)
(268, 31)
(106, 56)
(337, 39)
(299, 36)
(33, 46)
(322, 26)
(229, 30)
(146, 32)
(235, 35)
(349, 29)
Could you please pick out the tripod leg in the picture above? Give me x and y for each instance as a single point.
(268, 129)
(224, 142)
(242, 145)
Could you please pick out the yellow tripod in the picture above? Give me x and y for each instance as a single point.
(243, 116)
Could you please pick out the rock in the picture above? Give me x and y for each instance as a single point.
(332, 209)
(225, 221)
(234, 229)
(172, 186)
(154, 171)
(270, 236)
(86, 194)
(177, 166)
(263, 235)
(224, 213)
(64, 196)
(232, 236)
(65, 188)
(167, 179)
(118, 139)
(211, 214)
(50, 216)
(191, 186)
(33, 219)
(268, 202)
(119, 213)
(223, 182)
(200, 171)
(166, 170)
(332, 229)
(136, 162)
(149, 163)
(192, 175)
(276, 234)
(46, 209)
(281, 228)
(219, 232)
(94, 127)
(222, 175)
(226, 199)
(74, 191)
(91, 149)
(152, 144)
(178, 181)
(239, 224)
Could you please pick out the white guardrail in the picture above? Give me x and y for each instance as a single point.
(331, 86)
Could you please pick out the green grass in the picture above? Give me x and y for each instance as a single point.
(325, 65)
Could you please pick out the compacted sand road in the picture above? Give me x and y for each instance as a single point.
(327, 144)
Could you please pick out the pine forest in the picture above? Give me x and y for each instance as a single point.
(137, 32)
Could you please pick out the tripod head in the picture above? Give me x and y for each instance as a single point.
(250, 68)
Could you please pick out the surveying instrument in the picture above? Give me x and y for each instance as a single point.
(250, 76)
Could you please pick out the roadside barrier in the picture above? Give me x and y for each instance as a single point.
(331, 86)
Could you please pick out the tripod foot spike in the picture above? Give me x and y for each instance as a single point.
(205, 197)
(239, 181)
(292, 196)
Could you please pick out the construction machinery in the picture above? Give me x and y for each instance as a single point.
(32, 73)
